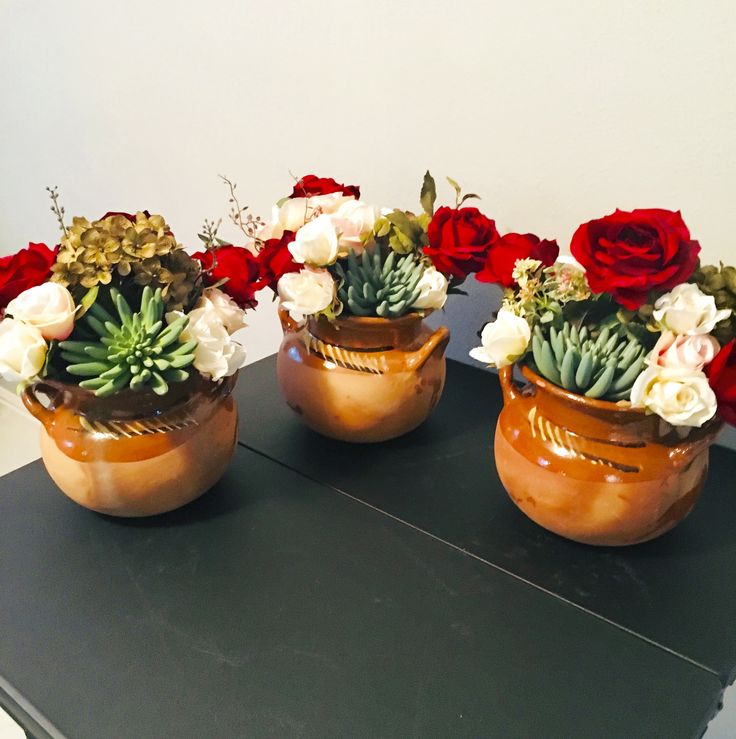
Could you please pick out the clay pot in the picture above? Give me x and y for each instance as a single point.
(362, 379)
(135, 453)
(594, 471)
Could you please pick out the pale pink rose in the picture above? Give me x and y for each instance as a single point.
(684, 352)
(48, 306)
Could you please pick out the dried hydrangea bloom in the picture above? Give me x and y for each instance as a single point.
(90, 252)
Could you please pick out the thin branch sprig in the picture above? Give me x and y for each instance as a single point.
(57, 209)
(208, 236)
(248, 224)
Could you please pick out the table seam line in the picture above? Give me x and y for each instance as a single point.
(724, 684)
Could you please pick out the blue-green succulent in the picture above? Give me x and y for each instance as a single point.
(133, 350)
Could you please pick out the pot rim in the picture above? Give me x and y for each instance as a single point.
(193, 382)
(127, 402)
(620, 406)
(407, 318)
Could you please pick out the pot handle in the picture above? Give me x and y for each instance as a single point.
(683, 454)
(510, 391)
(288, 324)
(34, 406)
(436, 342)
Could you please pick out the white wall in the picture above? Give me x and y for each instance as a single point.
(554, 111)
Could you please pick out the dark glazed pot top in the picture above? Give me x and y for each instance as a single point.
(369, 332)
(621, 417)
(129, 404)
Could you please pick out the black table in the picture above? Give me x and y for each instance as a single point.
(277, 605)
(678, 591)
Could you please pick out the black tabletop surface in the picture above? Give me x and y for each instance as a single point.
(275, 606)
(678, 591)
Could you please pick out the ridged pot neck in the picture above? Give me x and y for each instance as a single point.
(368, 332)
(129, 403)
(620, 417)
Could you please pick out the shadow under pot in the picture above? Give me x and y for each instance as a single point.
(135, 453)
(595, 471)
(362, 379)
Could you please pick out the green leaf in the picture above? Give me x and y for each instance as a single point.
(47, 361)
(401, 221)
(457, 189)
(469, 196)
(428, 194)
(87, 301)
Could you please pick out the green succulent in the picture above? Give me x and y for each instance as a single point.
(721, 284)
(135, 350)
(596, 362)
(371, 285)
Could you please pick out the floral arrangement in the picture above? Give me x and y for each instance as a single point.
(326, 252)
(119, 304)
(632, 318)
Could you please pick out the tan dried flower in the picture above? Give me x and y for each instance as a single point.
(91, 251)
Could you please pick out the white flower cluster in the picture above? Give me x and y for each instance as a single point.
(674, 385)
(328, 227)
(212, 321)
(39, 314)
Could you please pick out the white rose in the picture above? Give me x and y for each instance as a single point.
(49, 307)
(230, 313)
(295, 212)
(432, 290)
(686, 352)
(306, 292)
(679, 396)
(315, 242)
(503, 341)
(217, 355)
(353, 219)
(22, 350)
(687, 310)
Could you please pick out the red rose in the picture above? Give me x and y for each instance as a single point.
(631, 254)
(276, 260)
(238, 266)
(129, 216)
(312, 185)
(722, 377)
(28, 268)
(503, 254)
(459, 240)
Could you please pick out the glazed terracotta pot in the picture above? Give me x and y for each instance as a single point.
(362, 379)
(594, 471)
(135, 453)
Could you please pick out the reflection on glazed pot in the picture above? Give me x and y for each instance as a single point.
(362, 379)
(594, 471)
(136, 453)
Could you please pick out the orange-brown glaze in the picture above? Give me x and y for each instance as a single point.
(136, 455)
(362, 379)
(593, 471)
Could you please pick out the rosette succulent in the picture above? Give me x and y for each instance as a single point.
(132, 350)
(371, 285)
(592, 361)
